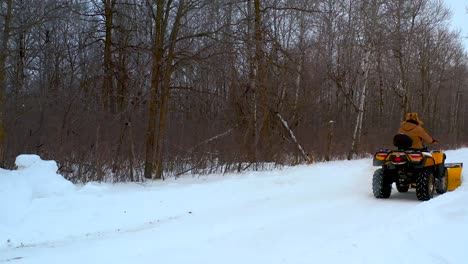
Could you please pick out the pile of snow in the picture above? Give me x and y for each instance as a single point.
(323, 213)
(34, 179)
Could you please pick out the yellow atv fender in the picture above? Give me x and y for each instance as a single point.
(453, 170)
(438, 157)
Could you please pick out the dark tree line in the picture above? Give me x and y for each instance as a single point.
(124, 90)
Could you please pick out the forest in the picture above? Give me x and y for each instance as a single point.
(129, 90)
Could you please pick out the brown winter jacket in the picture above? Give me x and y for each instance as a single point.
(416, 132)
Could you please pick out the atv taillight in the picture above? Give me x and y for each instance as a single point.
(416, 157)
(398, 159)
(381, 156)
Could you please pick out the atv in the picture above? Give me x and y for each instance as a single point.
(424, 170)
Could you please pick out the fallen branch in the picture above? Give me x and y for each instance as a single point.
(213, 138)
(293, 137)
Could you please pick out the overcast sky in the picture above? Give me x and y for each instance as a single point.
(459, 18)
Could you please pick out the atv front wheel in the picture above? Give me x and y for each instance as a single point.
(381, 187)
(441, 183)
(425, 185)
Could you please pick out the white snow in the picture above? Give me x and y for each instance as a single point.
(320, 213)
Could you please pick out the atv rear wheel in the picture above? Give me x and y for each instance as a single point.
(425, 185)
(402, 187)
(381, 187)
(441, 183)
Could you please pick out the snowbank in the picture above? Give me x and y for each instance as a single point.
(34, 179)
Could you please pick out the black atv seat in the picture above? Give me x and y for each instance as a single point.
(402, 142)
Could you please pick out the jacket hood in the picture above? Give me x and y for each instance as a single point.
(413, 117)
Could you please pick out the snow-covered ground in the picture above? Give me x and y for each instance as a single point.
(320, 213)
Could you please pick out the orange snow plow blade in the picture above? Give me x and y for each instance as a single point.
(454, 175)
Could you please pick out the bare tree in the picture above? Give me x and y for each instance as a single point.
(108, 96)
(3, 91)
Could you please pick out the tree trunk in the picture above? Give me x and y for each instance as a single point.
(131, 152)
(165, 91)
(251, 133)
(300, 66)
(20, 74)
(360, 115)
(123, 81)
(155, 81)
(264, 129)
(107, 89)
(3, 56)
(331, 124)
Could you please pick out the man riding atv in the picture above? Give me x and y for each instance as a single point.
(411, 165)
(412, 127)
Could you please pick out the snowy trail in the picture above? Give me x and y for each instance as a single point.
(319, 213)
